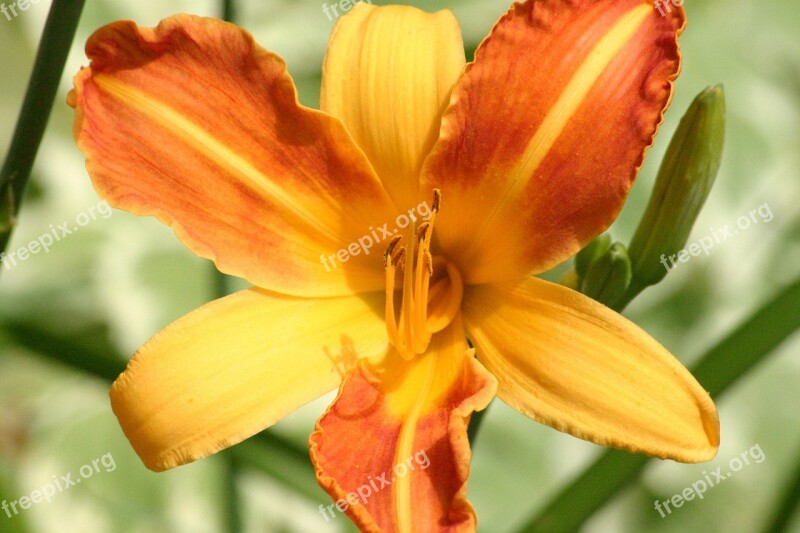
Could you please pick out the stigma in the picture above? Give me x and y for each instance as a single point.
(431, 288)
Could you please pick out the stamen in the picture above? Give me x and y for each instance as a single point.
(422, 231)
(408, 300)
(400, 258)
(390, 248)
(390, 263)
(411, 334)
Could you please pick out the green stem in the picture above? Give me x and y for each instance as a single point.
(717, 371)
(220, 283)
(232, 505)
(59, 31)
(229, 10)
(281, 460)
(232, 512)
(633, 290)
(787, 507)
(221, 287)
(475, 423)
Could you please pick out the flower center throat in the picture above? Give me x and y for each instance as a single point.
(431, 288)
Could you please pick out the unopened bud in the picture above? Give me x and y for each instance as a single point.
(590, 252)
(684, 180)
(608, 277)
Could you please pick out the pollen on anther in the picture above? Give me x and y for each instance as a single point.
(390, 250)
(422, 231)
(399, 260)
(437, 199)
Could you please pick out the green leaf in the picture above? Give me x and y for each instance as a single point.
(85, 347)
(717, 371)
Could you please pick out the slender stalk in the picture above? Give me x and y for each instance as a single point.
(722, 366)
(475, 423)
(59, 31)
(231, 504)
(232, 508)
(229, 10)
(787, 507)
(221, 287)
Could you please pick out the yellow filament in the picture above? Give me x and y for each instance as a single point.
(411, 335)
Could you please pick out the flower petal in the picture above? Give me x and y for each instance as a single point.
(573, 364)
(547, 129)
(236, 366)
(196, 124)
(388, 75)
(394, 444)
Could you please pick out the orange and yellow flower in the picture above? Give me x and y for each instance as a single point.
(524, 155)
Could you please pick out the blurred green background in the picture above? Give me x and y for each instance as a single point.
(111, 285)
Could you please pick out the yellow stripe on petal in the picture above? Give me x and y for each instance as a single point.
(236, 366)
(194, 123)
(395, 438)
(204, 142)
(546, 130)
(388, 75)
(575, 92)
(573, 364)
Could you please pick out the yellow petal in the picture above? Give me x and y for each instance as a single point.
(573, 364)
(388, 76)
(236, 366)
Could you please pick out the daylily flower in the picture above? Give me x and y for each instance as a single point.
(523, 156)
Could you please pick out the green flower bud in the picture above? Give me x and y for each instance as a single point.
(608, 277)
(684, 180)
(590, 252)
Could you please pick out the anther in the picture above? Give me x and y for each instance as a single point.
(399, 260)
(390, 249)
(422, 231)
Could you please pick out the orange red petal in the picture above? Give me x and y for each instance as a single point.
(393, 450)
(194, 123)
(547, 129)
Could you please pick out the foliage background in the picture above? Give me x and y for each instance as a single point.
(117, 281)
